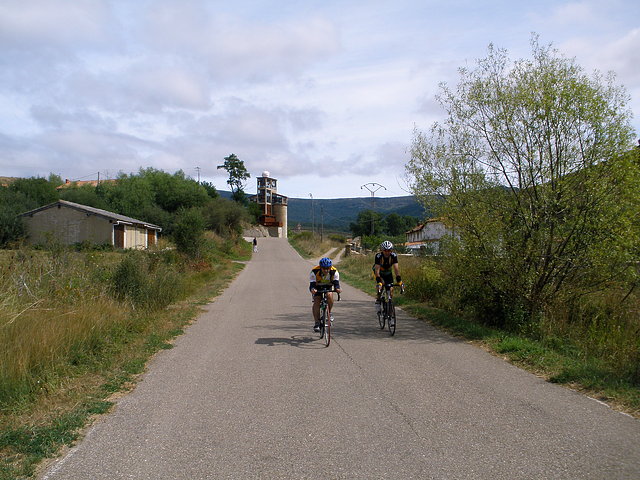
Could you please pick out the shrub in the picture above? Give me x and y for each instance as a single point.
(146, 281)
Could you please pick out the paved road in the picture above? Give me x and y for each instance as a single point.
(250, 392)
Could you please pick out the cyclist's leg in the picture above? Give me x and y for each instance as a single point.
(330, 304)
(316, 311)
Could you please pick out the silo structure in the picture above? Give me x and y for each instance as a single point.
(273, 206)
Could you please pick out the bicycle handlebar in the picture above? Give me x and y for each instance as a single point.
(389, 285)
(328, 290)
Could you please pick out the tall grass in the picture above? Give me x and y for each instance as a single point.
(54, 306)
(78, 326)
(310, 244)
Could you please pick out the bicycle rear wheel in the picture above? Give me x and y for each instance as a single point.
(326, 328)
(391, 322)
(381, 314)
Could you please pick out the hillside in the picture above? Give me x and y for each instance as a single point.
(338, 213)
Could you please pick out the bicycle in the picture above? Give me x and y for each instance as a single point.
(325, 317)
(387, 311)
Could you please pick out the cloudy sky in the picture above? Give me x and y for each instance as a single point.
(323, 94)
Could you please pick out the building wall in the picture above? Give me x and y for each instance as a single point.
(135, 237)
(68, 226)
(430, 231)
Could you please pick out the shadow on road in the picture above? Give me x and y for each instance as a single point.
(354, 320)
(294, 341)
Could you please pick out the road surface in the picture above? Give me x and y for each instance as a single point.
(250, 392)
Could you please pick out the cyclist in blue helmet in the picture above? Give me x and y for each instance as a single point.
(323, 275)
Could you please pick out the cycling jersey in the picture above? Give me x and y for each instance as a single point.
(386, 262)
(318, 278)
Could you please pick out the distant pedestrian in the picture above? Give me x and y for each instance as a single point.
(255, 245)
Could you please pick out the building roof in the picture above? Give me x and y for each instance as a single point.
(95, 211)
(420, 226)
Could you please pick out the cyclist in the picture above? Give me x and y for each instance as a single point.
(384, 267)
(323, 275)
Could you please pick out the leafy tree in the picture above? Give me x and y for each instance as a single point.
(366, 220)
(38, 191)
(12, 204)
(391, 225)
(397, 225)
(237, 176)
(210, 189)
(175, 191)
(529, 164)
(224, 216)
(130, 195)
(84, 195)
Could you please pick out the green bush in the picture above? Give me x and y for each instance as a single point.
(425, 283)
(188, 234)
(146, 281)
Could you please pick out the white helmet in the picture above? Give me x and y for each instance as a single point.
(386, 245)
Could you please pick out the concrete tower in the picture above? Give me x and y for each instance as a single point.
(272, 205)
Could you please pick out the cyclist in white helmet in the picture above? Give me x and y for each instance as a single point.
(385, 267)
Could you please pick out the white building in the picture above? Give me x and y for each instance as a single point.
(425, 238)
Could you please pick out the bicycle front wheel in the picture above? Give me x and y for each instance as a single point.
(326, 322)
(323, 313)
(391, 322)
(381, 314)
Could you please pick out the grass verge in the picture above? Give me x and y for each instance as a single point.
(37, 426)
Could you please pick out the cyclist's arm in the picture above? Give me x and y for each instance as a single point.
(396, 270)
(336, 283)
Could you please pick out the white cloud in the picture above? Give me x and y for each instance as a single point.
(38, 24)
(315, 92)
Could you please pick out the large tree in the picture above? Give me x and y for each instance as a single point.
(530, 164)
(238, 174)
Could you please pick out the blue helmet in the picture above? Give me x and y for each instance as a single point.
(325, 262)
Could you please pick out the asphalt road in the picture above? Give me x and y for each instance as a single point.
(249, 391)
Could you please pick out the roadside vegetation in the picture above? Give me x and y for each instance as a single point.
(592, 346)
(78, 327)
(310, 245)
(536, 171)
(79, 323)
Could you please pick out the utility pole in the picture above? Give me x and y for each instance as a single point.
(373, 188)
(321, 223)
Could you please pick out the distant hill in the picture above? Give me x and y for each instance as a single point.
(338, 213)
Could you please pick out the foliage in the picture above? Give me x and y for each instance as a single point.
(39, 191)
(592, 344)
(22, 195)
(309, 245)
(225, 217)
(210, 189)
(84, 195)
(391, 225)
(146, 281)
(531, 164)
(189, 232)
(237, 175)
(67, 343)
(151, 195)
